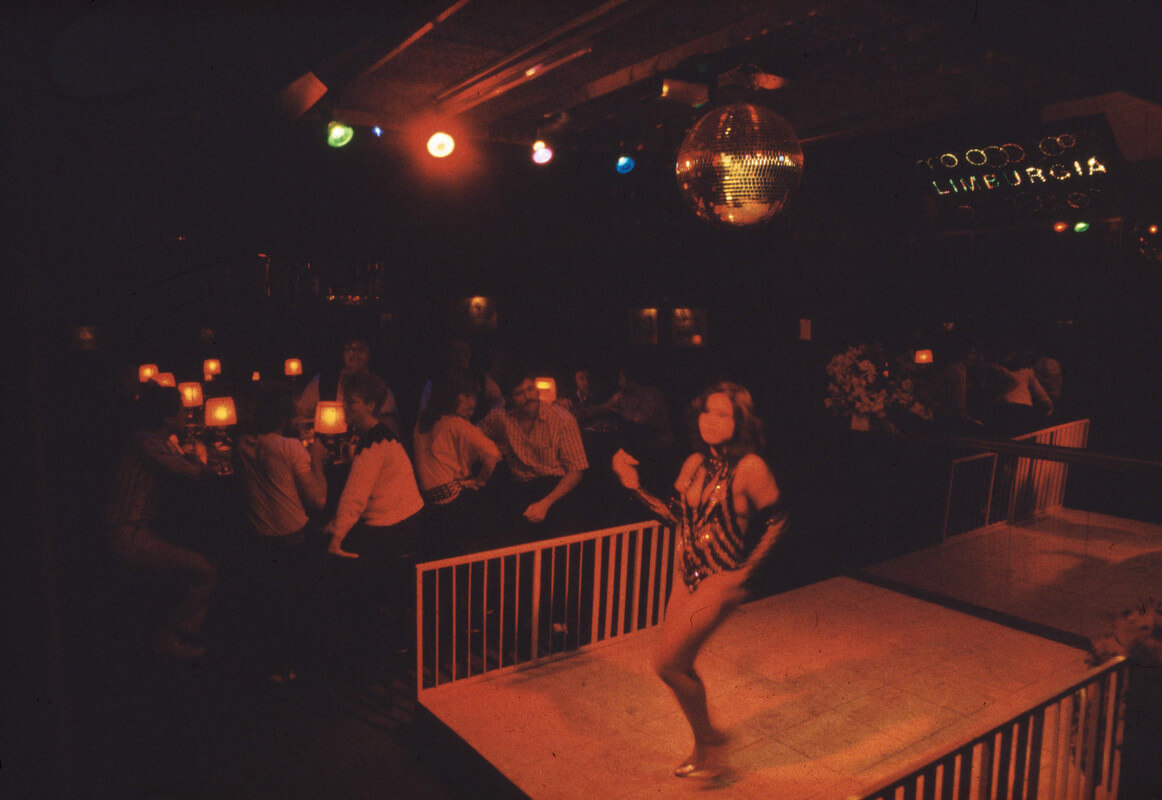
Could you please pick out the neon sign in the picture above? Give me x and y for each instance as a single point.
(1068, 169)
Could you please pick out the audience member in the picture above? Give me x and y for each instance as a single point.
(150, 460)
(542, 449)
(282, 481)
(456, 355)
(582, 399)
(945, 388)
(1021, 404)
(377, 519)
(328, 385)
(643, 411)
(454, 460)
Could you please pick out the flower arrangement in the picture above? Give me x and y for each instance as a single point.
(861, 385)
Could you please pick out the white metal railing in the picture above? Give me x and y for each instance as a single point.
(519, 606)
(986, 488)
(1067, 747)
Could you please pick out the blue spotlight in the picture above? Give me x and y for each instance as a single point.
(624, 164)
(378, 131)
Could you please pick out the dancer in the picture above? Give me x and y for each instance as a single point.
(727, 514)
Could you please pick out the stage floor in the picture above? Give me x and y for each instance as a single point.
(827, 690)
(1069, 570)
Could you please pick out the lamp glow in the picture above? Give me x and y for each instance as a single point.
(1061, 227)
(547, 389)
(212, 366)
(329, 418)
(625, 164)
(220, 412)
(165, 379)
(922, 357)
(542, 153)
(1153, 229)
(293, 366)
(1080, 227)
(441, 144)
(339, 134)
(146, 372)
(256, 376)
(191, 394)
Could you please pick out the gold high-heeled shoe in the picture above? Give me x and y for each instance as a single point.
(692, 769)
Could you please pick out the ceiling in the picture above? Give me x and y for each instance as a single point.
(592, 72)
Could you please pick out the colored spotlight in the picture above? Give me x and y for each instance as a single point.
(1061, 227)
(1080, 227)
(339, 134)
(1152, 230)
(441, 144)
(542, 153)
(378, 131)
(625, 164)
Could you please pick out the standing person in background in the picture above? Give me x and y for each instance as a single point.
(328, 385)
(727, 511)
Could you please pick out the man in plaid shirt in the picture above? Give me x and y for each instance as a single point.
(541, 445)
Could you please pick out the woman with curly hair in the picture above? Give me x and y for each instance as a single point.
(726, 511)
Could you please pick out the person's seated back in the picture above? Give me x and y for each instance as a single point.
(451, 453)
(283, 480)
(381, 488)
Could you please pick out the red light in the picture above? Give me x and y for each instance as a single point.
(1061, 227)
(1153, 229)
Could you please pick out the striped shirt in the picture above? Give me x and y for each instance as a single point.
(551, 449)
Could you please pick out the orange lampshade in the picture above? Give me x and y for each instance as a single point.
(329, 418)
(256, 376)
(547, 388)
(922, 357)
(212, 366)
(191, 394)
(165, 379)
(294, 366)
(146, 372)
(220, 412)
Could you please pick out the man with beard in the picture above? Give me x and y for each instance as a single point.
(542, 450)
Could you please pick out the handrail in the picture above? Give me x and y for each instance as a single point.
(1044, 452)
(514, 607)
(924, 767)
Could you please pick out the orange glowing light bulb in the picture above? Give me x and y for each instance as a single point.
(441, 144)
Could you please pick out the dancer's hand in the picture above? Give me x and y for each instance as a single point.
(624, 468)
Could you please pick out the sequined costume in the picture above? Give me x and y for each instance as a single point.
(711, 534)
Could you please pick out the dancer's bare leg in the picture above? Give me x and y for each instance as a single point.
(690, 620)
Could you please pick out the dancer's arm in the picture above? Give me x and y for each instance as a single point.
(757, 485)
(624, 466)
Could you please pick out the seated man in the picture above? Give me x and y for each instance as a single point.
(541, 445)
(150, 462)
(328, 385)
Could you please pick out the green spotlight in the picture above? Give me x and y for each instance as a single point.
(1080, 227)
(339, 134)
